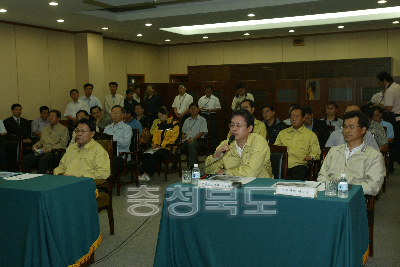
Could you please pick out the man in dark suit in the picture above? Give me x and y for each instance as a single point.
(316, 126)
(17, 125)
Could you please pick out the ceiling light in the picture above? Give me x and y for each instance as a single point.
(104, 28)
(3, 10)
(167, 40)
(291, 31)
(340, 27)
(205, 37)
(60, 20)
(53, 3)
(148, 24)
(139, 34)
(247, 33)
(395, 22)
(290, 22)
(251, 15)
(382, 1)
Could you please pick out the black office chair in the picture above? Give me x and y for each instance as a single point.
(279, 161)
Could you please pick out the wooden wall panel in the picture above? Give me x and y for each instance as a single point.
(317, 106)
(282, 108)
(343, 83)
(265, 72)
(243, 72)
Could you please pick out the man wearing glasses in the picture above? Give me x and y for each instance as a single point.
(248, 155)
(362, 164)
(302, 143)
(336, 138)
(86, 157)
(54, 136)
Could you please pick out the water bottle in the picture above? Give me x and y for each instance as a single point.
(343, 187)
(195, 174)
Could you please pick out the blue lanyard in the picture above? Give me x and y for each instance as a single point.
(182, 101)
(193, 124)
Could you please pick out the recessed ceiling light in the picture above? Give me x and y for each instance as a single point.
(291, 31)
(60, 20)
(104, 28)
(251, 15)
(167, 40)
(148, 24)
(139, 34)
(205, 37)
(3, 10)
(395, 22)
(382, 1)
(53, 3)
(341, 27)
(247, 33)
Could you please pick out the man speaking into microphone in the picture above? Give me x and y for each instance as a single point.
(244, 154)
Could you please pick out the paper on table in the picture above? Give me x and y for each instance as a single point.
(23, 176)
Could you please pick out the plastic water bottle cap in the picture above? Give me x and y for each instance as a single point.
(343, 175)
(196, 165)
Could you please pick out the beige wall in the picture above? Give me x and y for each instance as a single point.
(39, 67)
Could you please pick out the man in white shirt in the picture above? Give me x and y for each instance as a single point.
(241, 95)
(90, 99)
(136, 95)
(392, 104)
(112, 100)
(181, 103)
(74, 106)
(209, 105)
(331, 119)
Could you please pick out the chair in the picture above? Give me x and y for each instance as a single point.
(279, 161)
(132, 165)
(173, 157)
(202, 150)
(104, 200)
(14, 150)
(369, 202)
(326, 150)
(331, 129)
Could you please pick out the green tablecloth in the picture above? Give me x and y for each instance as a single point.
(305, 232)
(47, 221)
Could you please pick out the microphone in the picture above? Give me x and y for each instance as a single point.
(231, 139)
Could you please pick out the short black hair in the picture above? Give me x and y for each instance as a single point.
(139, 104)
(88, 84)
(152, 86)
(363, 121)
(137, 86)
(306, 110)
(162, 111)
(295, 105)
(368, 111)
(15, 106)
(128, 111)
(92, 108)
(84, 111)
(246, 115)
(251, 102)
(129, 91)
(193, 104)
(113, 83)
(42, 108)
(184, 84)
(378, 108)
(58, 113)
(298, 108)
(239, 86)
(382, 76)
(118, 106)
(209, 86)
(73, 90)
(268, 106)
(89, 123)
(333, 103)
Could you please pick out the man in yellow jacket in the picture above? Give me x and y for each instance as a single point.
(248, 155)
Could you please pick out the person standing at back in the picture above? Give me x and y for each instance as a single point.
(181, 103)
(112, 100)
(241, 95)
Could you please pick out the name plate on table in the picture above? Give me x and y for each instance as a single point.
(215, 184)
(296, 191)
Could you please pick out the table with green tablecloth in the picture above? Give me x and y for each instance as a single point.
(291, 231)
(48, 221)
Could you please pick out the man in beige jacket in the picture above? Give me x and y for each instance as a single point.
(362, 164)
(248, 155)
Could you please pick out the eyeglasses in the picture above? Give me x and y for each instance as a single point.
(238, 125)
(80, 131)
(351, 127)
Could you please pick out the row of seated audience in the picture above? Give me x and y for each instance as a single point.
(303, 143)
